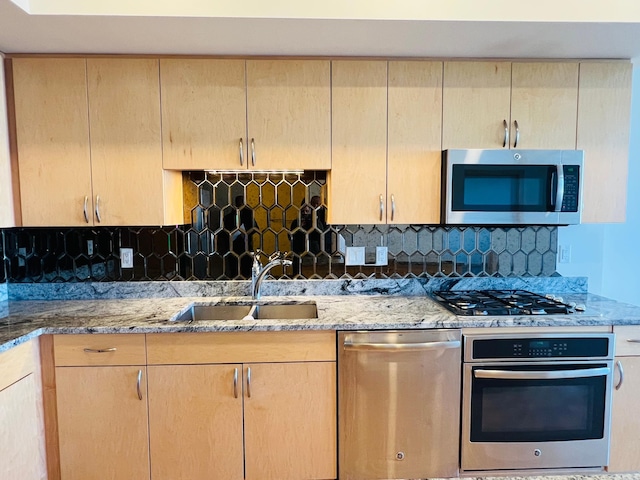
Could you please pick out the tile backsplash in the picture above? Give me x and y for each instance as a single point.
(232, 214)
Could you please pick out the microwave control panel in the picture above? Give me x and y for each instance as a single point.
(571, 198)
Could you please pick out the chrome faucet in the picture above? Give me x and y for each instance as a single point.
(259, 272)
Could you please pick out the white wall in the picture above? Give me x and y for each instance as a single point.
(609, 254)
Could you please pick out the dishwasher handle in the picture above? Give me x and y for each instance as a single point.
(400, 347)
(541, 375)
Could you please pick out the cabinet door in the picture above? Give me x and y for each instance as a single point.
(414, 138)
(126, 150)
(102, 423)
(195, 422)
(625, 423)
(21, 433)
(290, 421)
(358, 178)
(475, 104)
(9, 215)
(52, 135)
(289, 114)
(204, 114)
(544, 102)
(604, 112)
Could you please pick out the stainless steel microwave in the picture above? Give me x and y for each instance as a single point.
(512, 187)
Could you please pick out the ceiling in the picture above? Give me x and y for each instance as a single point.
(123, 34)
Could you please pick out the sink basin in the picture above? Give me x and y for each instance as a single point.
(238, 311)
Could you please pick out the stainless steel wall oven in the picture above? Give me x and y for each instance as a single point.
(536, 401)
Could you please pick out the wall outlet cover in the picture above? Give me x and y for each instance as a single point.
(89, 247)
(126, 257)
(354, 256)
(382, 256)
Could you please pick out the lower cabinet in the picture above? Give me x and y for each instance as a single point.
(625, 422)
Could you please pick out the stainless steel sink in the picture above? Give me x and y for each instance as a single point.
(240, 311)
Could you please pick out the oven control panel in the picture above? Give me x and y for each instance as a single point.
(515, 348)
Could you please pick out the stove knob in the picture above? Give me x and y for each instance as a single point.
(559, 299)
(581, 307)
(549, 296)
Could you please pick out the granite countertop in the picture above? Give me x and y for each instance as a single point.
(25, 319)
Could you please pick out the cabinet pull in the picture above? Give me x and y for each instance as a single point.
(505, 143)
(138, 383)
(100, 350)
(253, 152)
(633, 340)
(98, 209)
(235, 383)
(241, 153)
(619, 365)
(249, 382)
(517, 139)
(393, 207)
(381, 207)
(84, 210)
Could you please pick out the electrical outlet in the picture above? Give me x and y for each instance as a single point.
(564, 254)
(126, 257)
(89, 247)
(382, 257)
(22, 253)
(354, 256)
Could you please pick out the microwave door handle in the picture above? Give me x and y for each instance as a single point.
(541, 375)
(559, 190)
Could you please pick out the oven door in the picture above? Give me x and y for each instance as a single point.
(536, 415)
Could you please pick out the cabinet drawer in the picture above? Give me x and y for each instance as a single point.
(98, 349)
(240, 347)
(627, 340)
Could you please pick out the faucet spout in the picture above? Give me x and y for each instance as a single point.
(259, 273)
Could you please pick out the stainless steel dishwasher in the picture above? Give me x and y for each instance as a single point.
(398, 404)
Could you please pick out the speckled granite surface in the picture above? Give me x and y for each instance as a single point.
(362, 305)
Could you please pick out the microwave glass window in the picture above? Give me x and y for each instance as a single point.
(499, 188)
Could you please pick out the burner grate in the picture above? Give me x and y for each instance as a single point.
(501, 302)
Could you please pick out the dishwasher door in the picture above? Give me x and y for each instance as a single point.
(399, 404)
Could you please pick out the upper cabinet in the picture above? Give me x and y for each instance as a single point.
(258, 114)
(510, 105)
(386, 142)
(7, 212)
(88, 143)
(604, 114)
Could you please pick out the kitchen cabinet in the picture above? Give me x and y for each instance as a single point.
(88, 143)
(7, 179)
(258, 114)
(275, 390)
(102, 406)
(510, 105)
(625, 423)
(604, 112)
(22, 438)
(386, 142)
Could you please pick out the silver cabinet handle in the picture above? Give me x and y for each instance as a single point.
(100, 350)
(138, 383)
(381, 207)
(84, 210)
(253, 152)
(393, 207)
(249, 382)
(542, 375)
(401, 347)
(633, 340)
(505, 143)
(235, 383)
(621, 370)
(517, 139)
(98, 209)
(241, 153)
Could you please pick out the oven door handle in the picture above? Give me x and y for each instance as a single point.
(397, 347)
(541, 375)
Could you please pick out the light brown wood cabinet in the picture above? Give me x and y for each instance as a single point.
(386, 142)
(89, 143)
(7, 211)
(275, 390)
(237, 114)
(625, 423)
(509, 105)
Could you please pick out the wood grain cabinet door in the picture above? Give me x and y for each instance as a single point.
(290, 421)
(52, 136)
(102, 423)
(195, 422)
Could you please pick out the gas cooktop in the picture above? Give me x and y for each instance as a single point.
(503, 302)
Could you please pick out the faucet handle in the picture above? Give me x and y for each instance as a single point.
(278, 256)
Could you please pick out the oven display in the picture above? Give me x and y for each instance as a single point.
(540, 348)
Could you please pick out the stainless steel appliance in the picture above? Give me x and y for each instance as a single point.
(536, 401)
(512, 187)
(503, 302)
(398, 404)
